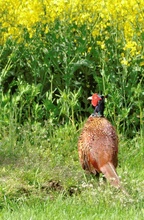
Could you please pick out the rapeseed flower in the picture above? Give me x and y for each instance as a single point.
(102, 18)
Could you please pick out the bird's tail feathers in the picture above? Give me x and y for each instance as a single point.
(110, 173)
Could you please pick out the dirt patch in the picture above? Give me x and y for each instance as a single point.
(52, 185)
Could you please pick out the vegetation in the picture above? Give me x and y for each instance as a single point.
(54, 54)
(41, 177)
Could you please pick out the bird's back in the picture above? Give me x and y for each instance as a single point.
(98, 144)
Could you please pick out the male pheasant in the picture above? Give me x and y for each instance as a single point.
(98, 144)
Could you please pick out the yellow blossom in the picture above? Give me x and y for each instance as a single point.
(89, 49)
(124, 62)
(142, 63)
(101, 18)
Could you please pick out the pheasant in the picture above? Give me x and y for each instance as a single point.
(98, 144)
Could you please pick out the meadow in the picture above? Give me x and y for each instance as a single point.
(54, 54)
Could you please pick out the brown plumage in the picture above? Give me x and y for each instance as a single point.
(98, 144)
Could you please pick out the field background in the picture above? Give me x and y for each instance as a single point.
(53, 55)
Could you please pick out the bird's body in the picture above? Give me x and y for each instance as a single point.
(98, 147)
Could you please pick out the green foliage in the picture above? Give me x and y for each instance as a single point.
(52, 76)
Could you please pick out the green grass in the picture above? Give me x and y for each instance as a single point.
(41, 178)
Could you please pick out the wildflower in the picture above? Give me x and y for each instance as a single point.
(89, 49)
(102, 44)
(100, 18)
(124, 62)
(142, 63)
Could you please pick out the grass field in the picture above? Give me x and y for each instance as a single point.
(42, 178)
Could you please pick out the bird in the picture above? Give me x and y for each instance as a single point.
(98, 143)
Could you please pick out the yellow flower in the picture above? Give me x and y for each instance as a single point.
(89, 49)
(142, 63)
(124, 62)
(104, 19)
(101, 44)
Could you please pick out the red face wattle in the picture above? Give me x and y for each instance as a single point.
(95, 99)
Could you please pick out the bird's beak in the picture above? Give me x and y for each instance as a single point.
(89, 98)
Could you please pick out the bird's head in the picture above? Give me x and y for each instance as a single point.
(95, 98)
(97, 101)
